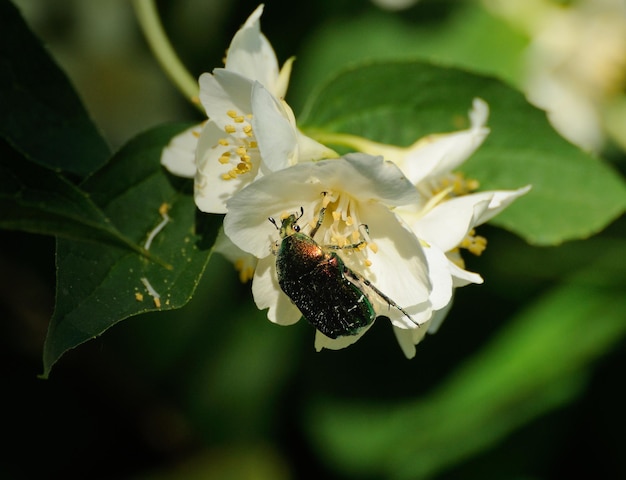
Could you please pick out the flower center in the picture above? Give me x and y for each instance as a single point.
(455, 183)
(475, 244)
(237, 147)
(341, 228)
(245, 269)
(450, 186)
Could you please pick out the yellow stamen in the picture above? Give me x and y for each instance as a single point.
(473, 243)
(230, 129)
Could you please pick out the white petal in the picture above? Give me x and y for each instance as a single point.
(251, 55)
(267, 294)
(275, 134)
(322, 341)
(247, 222)
(500, 199)
(281, 144)
(438, 318)
(211, 191)
(461, 277)
(440, 277)
(441, 153)
(223, 91)
(399, 268)
(179, 156)
(447, 224)
(286, 191)
(407, 339)
(372, 178)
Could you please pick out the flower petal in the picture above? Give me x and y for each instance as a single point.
(500, 199)
(179, 156)
(440, 277)
(275, 134)
(223, 91)
(438, 154)
(398, 267)
(371, 178)
(322, 341)
(367, 178)
(280, 142)
(247, 222)
(460, 276)
(251, 55)
(407, 339)
(243, 261)
(438, 318)
(267, 294)
(447, 224)
(211, 190)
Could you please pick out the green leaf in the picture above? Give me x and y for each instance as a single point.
(37, 200)
(97, 286)
(460, 34)
(42, 117)
(538, 362)
(574, 195)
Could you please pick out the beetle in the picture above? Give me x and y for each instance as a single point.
(333, 298)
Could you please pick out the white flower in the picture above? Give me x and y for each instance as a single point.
(244, 262)
(434, 156)
(356, 190)
(447, 212)
(225, 153)
(575, 62)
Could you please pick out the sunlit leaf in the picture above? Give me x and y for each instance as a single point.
(97, 285)
(574, 195)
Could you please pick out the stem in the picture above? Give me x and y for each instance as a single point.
(360, 144)
(162, 49)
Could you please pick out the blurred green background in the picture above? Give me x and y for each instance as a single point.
(524, 379)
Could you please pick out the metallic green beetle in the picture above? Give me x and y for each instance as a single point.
(334, 299)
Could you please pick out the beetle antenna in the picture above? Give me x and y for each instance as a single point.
(273, 222)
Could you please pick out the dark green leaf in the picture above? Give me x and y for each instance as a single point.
(42, 117)
(574, 195)
(97, 286)
(38, 200)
